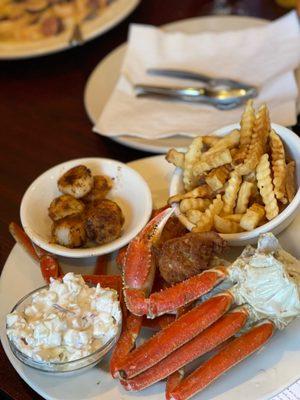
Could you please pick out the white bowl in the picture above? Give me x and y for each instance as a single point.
(276, 225)
(129, 190)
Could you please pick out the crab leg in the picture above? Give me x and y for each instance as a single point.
(48, 264)
(211, 337)
(130, 331)
(230, 355)
(174, 380)
(175, 335)
(120, 259)
(159, 322)
(139, 268)
(22, 239)
(132, 325)
(101, 265)
(175, 296)
(176, 377)
(49, 267)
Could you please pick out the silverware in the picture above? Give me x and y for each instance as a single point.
(211, 82)
(76, 38)
(223, 99)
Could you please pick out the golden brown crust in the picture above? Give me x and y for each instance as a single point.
(103, 221)
(64, 206)
(102, 185)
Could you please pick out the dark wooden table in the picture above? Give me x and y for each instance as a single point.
(43, 121)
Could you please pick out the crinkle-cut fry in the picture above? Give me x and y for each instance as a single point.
(261, 130)
(192, 155)
(229, 141)
(247, 123)
(253, 216)
(262, 124)
(194, 150)
(265, 186)
(212, 160)
(206, 221)
(254, 153)
(200, 191)
(239, 155)
(244, 197)
(217, 177)
(223, 225)
(231, 192)
(194, 204)
(278, 166)
(194, 216)
(290, 183)
(210, 140)
(175, 157)
(233, 217)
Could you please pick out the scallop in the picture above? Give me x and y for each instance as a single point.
(103, 221)
(77, 182)
(69, 232)
(64, 206)
(102, 185)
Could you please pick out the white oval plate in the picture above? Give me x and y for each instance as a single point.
(104, 77)
(257, 378)
(110, 17)
(129, 190)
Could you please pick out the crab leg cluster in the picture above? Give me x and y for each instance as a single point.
(207, 340)
(197, 327)
(226, 358)
(210, 325)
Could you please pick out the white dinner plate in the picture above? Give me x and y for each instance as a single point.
(257, 378)
(104, 77)
(111, 16)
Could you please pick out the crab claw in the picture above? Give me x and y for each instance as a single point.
(139, 271)
(20, 237)
(139, 268)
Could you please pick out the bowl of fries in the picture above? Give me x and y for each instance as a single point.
(241, 181)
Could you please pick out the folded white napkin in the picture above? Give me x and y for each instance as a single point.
(265, 57)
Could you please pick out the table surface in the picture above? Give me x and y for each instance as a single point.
(43, 121)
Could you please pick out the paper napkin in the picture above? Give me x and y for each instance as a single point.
(265, 57)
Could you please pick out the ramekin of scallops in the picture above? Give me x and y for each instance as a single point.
(82, 216)
(86, 207)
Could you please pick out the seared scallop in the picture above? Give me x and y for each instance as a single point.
(64, 206)
(77, 182)
(69, 231)
(102, 185)
(103, 221)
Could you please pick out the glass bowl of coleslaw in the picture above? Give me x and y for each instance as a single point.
(64, 327)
